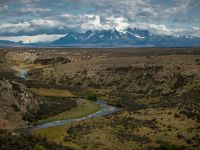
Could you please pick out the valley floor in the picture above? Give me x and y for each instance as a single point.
(158, 90)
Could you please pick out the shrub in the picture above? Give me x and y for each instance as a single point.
(91, 96)
(197, 61)
(189, 141)
(168, 147)
(179, 136)
(15, 108)
(176, 116)
(115, 103)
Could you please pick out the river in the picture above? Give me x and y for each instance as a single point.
(105, 110)
(22, 74)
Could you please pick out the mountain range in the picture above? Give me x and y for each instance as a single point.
(114, 38)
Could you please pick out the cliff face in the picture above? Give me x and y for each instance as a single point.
(15, 100)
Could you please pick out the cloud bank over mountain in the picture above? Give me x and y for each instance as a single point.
(39, 17)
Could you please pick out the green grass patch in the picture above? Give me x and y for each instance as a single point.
(52, 92)
(51, 106)
(167, 146)
(84, 108)
(39, 147)
(55, 134)
(23, 66)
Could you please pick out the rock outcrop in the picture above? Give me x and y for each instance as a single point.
(15, 100)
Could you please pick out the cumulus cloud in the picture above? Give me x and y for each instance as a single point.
(11, 2)
(34, 10)
(3, 7)
(33, 39)
(65, 23)
(33, 27)
(142, 9)
(36, 17)
(160, 29)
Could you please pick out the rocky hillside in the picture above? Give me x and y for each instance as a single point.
(50, 61)
(158, 90)
(15, 100)
(152, 76)
(3, 54)
(19, 56)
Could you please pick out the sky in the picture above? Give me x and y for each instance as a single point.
(47, 20)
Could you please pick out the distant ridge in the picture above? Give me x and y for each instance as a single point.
(114, 38)
(127, 38)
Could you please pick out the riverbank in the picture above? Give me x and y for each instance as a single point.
(105, 110)
(159, 93)
(56, 131)
(84, 108)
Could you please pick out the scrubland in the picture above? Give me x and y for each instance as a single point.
(158, 89)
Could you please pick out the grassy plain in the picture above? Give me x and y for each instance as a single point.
(157, 87)
(56, 134)
(52, 92)
(84, 108)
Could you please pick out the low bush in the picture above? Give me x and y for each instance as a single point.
(15, 108)
(115, 103)
(168, 147)
(91, 96)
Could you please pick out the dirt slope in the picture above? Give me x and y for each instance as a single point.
(15, 99)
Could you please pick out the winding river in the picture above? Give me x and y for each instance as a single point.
(22, 74)
(105, 110)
